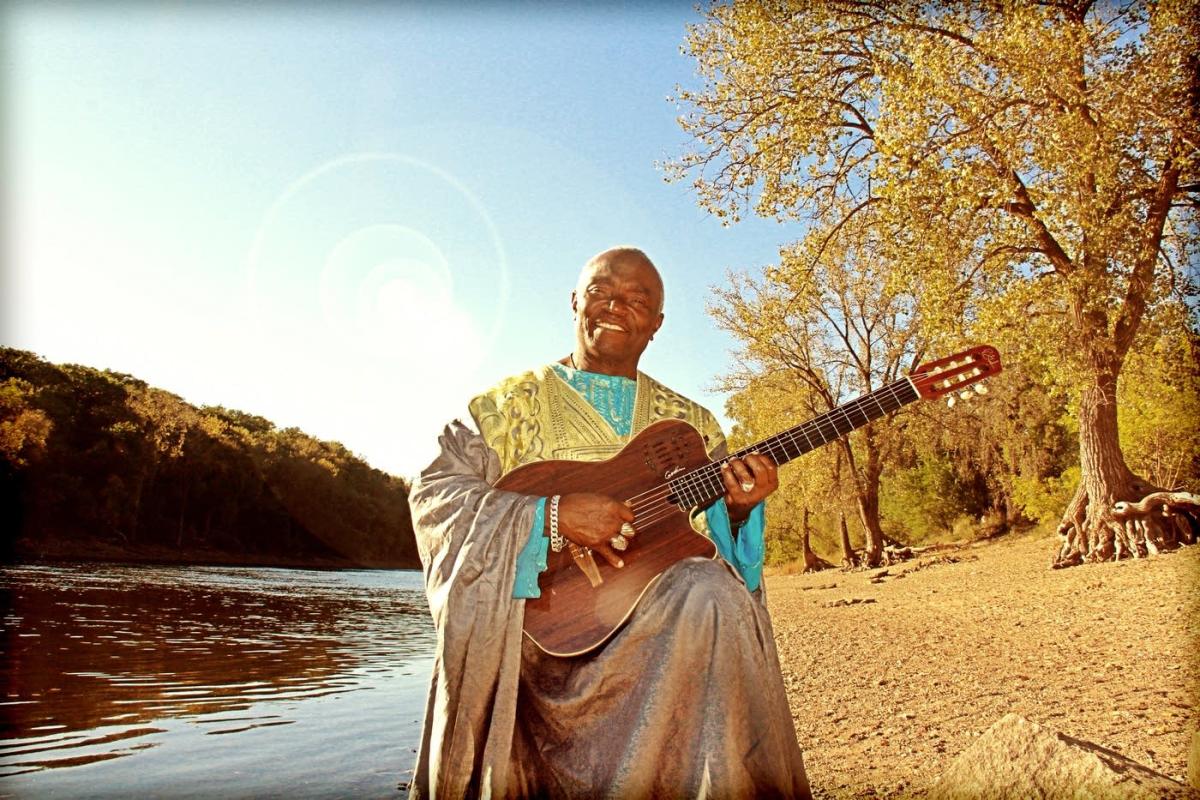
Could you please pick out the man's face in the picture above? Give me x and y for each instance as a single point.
(618, 308)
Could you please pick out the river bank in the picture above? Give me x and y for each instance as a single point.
(55, 551)
(892, 673)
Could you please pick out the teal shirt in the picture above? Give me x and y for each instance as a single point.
(613, 397)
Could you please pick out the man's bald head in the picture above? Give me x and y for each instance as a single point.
(628, 258)
(618, 309)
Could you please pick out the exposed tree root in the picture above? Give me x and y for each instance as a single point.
(893, 553)
(1158, 522)
(896, 553)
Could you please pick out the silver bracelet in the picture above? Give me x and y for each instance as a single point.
(556, 538)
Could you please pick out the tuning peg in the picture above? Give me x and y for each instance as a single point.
(950, 401)
(980, 389)
(976, 372)
(965, 394)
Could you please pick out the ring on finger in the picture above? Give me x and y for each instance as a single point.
(747, 486)
(618, 542)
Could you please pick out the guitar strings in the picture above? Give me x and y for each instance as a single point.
(824, 427)
(696, 486)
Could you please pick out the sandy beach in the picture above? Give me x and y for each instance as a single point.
(893, 672)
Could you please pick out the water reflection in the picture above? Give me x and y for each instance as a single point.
(103, 662)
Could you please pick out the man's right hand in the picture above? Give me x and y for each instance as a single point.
(593, 520)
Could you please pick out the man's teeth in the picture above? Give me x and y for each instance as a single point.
(610, 326)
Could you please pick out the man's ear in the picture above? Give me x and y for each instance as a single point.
(574, 302)
(658, 324)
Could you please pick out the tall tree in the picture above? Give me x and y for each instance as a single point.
(1031, 156)
(761, 406)
(830, 322)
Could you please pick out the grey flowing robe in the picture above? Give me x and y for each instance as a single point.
(686, 700)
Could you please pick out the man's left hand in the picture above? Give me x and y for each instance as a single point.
(748, 481)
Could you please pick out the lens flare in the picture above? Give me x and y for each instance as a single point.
(379, 252)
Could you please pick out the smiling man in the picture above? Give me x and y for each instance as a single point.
(686, 698)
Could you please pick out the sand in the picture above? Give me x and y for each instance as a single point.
(887, 691)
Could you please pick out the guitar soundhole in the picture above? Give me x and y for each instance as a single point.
(662, 455)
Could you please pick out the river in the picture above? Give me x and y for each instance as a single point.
(210, 682)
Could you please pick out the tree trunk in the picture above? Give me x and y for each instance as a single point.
(866, 490)
(136, 512)
(1090, 530)
(868, 512)
(812, 562)
(849, 558)
(182, 516)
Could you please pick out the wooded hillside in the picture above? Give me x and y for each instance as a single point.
(97, 464)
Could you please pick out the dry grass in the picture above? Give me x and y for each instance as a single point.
(884, 694)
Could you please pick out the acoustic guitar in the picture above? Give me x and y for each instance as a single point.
(665, 474)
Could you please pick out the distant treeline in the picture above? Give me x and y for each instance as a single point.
(96, 464)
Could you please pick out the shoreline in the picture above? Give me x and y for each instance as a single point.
(58, 552)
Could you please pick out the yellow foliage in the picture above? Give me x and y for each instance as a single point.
(1001, 142)
(1158, 403)
(23, 429)
(1028, 172)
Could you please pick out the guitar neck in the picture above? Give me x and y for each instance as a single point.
(702, 486)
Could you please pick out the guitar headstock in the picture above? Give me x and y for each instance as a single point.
(953, 375)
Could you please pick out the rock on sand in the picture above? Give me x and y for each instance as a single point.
(1016, 758)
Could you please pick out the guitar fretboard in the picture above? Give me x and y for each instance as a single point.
(703, 485)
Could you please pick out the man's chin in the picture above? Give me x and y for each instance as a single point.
(611, 351)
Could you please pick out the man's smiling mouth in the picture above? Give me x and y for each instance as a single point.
(608, 326)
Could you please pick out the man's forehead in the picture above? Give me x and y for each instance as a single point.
(635, 270)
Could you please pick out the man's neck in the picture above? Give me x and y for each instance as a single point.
(581, 360)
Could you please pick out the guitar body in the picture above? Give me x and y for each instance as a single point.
(572, 617)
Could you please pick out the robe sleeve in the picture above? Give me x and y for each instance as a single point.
(468, 536)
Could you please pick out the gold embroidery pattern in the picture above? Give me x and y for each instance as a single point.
(535, 416)
(668, 405)
(524, 430)
(508, 417)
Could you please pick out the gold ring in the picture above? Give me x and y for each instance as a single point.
(627, 529)
(747, 486)
(619, 542)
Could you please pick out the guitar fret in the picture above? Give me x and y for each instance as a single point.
(703, 485)
(838, 422)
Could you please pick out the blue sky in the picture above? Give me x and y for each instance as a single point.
(348, 220)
